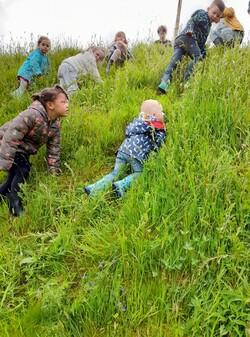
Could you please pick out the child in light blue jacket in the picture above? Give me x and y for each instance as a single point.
(36, 64)
(143, 136)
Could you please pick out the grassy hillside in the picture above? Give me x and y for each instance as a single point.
(169, 259)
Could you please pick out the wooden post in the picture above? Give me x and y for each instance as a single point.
(177, 22)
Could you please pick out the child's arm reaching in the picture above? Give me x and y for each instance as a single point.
(54, 151)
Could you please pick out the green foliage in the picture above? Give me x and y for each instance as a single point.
(169, 259)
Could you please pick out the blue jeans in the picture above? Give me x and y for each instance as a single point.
(184, 45)
(121, 160)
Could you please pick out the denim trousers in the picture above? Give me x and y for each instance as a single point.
(121, 160)
(184, 45)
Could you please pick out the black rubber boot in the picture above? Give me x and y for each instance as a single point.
(15, 204)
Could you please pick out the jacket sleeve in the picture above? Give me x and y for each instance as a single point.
(34, 63)
(159, 138)
(54, 149)
(198, 18)
(45, 65)
(111, 48)
(16, 131)
(92, 70)
(137, 127)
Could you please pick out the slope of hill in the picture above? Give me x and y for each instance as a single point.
(169, 259)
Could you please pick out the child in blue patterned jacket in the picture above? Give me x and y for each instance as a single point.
(35, 65)
(191, 41)
(143, 135)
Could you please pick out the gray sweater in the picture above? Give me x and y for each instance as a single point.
(84, 64)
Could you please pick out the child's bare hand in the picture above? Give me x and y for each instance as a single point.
(121, 44)
(189, 33)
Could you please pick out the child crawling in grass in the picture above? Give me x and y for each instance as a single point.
(24, 135)
(36, 65)
(143, 135)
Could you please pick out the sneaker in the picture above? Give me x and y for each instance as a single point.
(162, 88)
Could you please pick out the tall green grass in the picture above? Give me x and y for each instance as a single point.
(169, 259)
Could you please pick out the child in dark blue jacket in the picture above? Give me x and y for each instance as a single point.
(191, 41)
(143, 135)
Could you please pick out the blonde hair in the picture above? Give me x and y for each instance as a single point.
(95, 48)
(151, 106)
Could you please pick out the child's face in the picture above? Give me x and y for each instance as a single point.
(214, 13)
(99, 55)
(44, 46)
(153, 108)
(60, 105)
(159, 115)
(162, 35)
(120, 38)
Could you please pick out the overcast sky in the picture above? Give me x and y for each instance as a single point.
(99, 20)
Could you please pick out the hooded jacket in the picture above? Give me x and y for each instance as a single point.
(141, 139)
(231, 20)
(26, 133)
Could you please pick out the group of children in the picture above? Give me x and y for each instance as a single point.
(73, 67)
(40, 123)
(228, 31)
